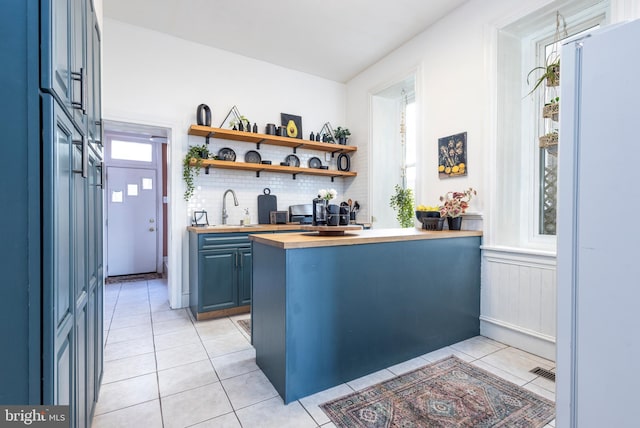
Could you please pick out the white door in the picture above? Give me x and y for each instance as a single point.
(132, 231)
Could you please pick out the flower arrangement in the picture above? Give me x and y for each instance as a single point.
(456, 203)
(327, 194)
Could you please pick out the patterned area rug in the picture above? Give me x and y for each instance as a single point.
(130, 278)
(246, 325)
(447, 393)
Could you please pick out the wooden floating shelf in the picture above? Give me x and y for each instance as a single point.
(272, 140)
(258, 168)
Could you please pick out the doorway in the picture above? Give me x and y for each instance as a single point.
(136, 214)
(393, 147)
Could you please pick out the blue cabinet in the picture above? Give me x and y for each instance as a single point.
(51, 172)
(219, 274)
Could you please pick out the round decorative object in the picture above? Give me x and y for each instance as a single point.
(315, 162)
(252, 157)
(227, 154)
(292, 160)
(344, 162)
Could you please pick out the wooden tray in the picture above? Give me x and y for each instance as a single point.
(331, 230)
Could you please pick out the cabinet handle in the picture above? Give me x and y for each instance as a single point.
(103, 175)
(79, 77)
(83, 150)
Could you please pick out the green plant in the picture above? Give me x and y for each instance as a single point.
(402, 202)
(235, 122)
(341, 132)
(191, 165)
(553, 101)
(456, 203)
(551, 73)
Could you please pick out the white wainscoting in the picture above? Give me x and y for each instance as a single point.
(518, 299)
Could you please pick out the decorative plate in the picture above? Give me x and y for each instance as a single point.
(293, 160)
(227, 154)
(315, 162)
(252, 157)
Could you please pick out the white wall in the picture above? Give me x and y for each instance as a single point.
(454, 95)
(156, 79)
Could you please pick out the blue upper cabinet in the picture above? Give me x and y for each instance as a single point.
(64, 59)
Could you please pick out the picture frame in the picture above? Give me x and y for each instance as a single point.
(199, 219)
(294, 131)
(452, 156)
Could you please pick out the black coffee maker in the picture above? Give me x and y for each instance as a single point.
(319, 212)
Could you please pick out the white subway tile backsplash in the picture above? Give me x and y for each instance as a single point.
(301, 190)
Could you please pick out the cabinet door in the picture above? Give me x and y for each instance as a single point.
(64, 54)
(244, 276)
(218, 279)
(60, 138)
(94, 102)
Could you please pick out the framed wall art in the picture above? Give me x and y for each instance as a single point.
(293, 124)
(452, 156)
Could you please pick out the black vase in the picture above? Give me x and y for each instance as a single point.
(455, 223)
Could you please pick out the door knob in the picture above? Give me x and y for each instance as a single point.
(151, 229)
(151, 220)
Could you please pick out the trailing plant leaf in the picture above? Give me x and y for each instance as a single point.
(190, 171)
(402, 202)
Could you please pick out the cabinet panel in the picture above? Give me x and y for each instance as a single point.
(245, 276)
(217, 285)
(80, 399)
(94, 107)
(63, 369)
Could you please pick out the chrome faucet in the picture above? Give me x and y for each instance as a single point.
(224, 204)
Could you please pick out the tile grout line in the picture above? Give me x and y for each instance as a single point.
(155, 356)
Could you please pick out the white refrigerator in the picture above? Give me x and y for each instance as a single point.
(598, 331)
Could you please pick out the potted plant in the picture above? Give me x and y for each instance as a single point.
(402, 202)
(454, 205)
(549, 139)
(551, 74)
(551, 109)
(241, 124)
(342, 134)
(191, 165)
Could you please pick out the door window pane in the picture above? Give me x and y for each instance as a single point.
(132, 190)
(127, 150)
(147, 184)
(116, 196)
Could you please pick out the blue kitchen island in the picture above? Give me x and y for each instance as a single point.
(329, 309)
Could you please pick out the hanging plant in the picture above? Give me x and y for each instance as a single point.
(191, 165)
(551, 74)
(402, 202)
(551, 110)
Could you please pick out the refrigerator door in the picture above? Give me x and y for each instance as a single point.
(598, 257)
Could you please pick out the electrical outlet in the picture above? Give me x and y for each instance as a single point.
(327, 157)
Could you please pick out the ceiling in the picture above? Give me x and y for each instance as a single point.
(334, 39)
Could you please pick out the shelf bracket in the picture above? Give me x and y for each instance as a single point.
(294, 176)
(258, 144)
(297, 147)
(206, 170)
(209, 135)
(258, 174)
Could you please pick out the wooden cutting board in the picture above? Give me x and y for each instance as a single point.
(266, 203)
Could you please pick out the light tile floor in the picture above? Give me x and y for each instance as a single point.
(164, 369)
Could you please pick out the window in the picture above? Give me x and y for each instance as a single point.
(127, 150)
(548, 51)
(410, 146)
(524, 173)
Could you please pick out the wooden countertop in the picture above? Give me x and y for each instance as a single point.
(226, 228)
(372, 236)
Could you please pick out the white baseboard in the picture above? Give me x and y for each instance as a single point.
(530, 341)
